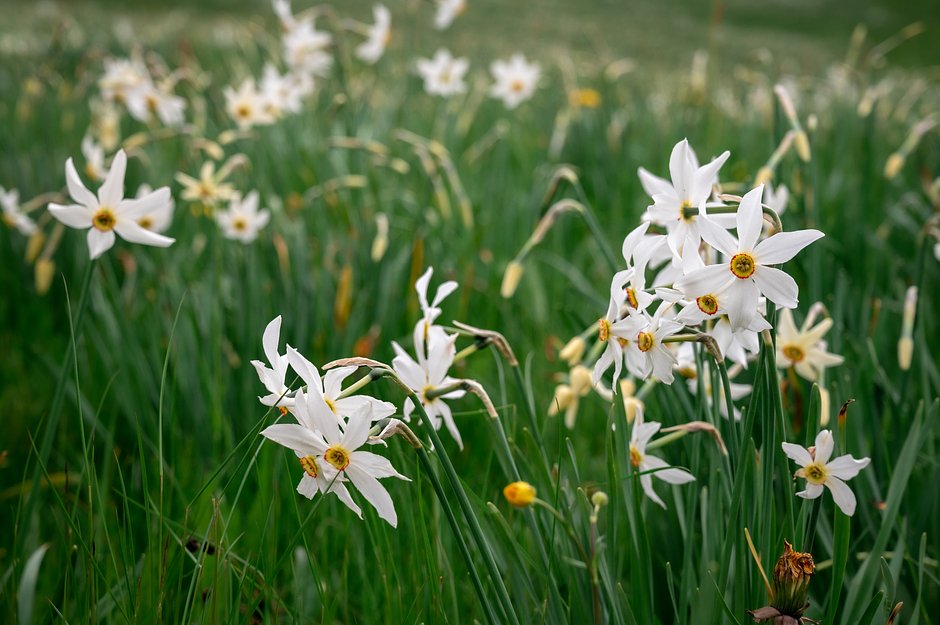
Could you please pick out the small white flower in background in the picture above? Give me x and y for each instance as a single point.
(283, 93)
(158, 219)
(283, 11)
(429, 312)
(749, 274)
(777, 198)
(274, 377)
(120, 77)
(13, 216)
(641, 461)
(803, 348)
(378, 37)
(94, 159)
(443, 74)
(515, 80)
(209, 188)
(646, 354)
(617, 333)
(108, 212)
(819, 471)
(149, 99)
(447, 12)
(324, 450)
(242, 220)
(247, 105)
(306, 49)
(429, 375)
(690, 188)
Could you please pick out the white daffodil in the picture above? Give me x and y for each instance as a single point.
(306, 49)
(690, 188)
(447, 12)
(13, 216)
(443, 74)
(328, 454)
(638, 248)
(377, 37)
(738, 345)
(748, 274)
(515, 80)
(430, 375)
(646, 354)
(777, 198)
(210, 187)
(330, 387)
(150, 99)
(247, 106)
(641, 461)
(819, 471)
(429, 312)
(242, 221)
(108, 212)
(803, 348)
(615, 331)
(158, 219)
(283, 93)
(283, 11)
(121, 76)
(94, 159)
(274, 377)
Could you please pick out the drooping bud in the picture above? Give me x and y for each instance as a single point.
(514, 271)
(573, 351)
(906, 342)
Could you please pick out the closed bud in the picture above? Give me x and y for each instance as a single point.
(764, 175)
(561, 400)
(580, 380)
(34, 246)
(894, 165)
(600, 498)
(801, 144)
(514, 271)
(45, 270)
(573, 351)
(520, 494)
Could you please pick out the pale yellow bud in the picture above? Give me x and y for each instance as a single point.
(45, 271)
(580, 379)
(573, 351)
(894, 165)
(905, 353)
(600, 498)
(34, 246)
(764, 175)
(812, 122)
(631, 406)
(801, 144)
(824, 406)
(380, 243)
(561, 400)
(514, 271)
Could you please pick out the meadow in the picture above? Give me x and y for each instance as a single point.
(141, 479)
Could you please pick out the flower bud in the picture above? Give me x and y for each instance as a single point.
(45, 271)
(514, 271)
(573, 351)
(380, 243)
(801, 144)
(791, 578)
(34, 246)
(600, 498)
(764, 175)
(894, 165)
(561, 400)
(906, 343)
(580, 380)
(520, 494)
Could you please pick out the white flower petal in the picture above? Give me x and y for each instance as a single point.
(797, 453)
(77, 188)
(777, 286)
(847, 467)
(824, 446)
(812, 491)
(135, 233)
(295, 437)
(72, 215)
(112, 191)
(665, 473)
(646, 481)
(842, 495)
(712, 279)
(374, 493)
(99, 242)
(750, 219)
(783, 246)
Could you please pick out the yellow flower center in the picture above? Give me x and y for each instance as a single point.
(794, 353)
(145, 223)
(104, 219)
(243, 111)
(239, 224)
(686, 213)
(311, 468)
(644, 341)
(516, 86)
(635, 457)
(708, 304)
(337, 457)
(631, 297)
(815, 473)
(329, 402)
(743, 265)
(603, 332)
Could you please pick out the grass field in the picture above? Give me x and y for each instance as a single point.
(134, 483)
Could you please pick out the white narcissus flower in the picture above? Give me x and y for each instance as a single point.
(748, 274)
(515, 80)
(803, 348)
(443, 74)
(306, 48)
(641, 461)
(325, 451)
(150, 99)
(13, 216)
(242, 221)
(274, 377)
(247, 105)
(108, 212)
(777, 198)
(617, 333)
(210, 187)
(430, 375)
(646, 354)
(121, 76)
(94, 159)
(447, 12)
(690, 188)
(819, 471)
(158, 219)
(284, 93)
(378, 37)
(430, 311)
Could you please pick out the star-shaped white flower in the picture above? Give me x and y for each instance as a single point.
(819, 471)
(803, 348)
(748, 273)
(13, 216)
(108, 212)
(324, 450)
(443, 74)
(242, 221)
(447, 12)
(378, 37)
(641, 461)
(274, 377)
(515, 80)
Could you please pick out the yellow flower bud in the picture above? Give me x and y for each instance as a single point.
(45, 271)
(520, 494)
(581, 382)
(573, 351)
(514, 271)
(600, 498)
(894, 165)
